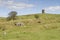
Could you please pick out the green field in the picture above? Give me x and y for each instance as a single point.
(47, 29)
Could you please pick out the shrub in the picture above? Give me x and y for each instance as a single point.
(36, 16)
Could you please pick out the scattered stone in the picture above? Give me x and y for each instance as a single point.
(46, 26)
(19, 24)
(4, 33)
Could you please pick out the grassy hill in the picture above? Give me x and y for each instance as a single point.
(47, 29)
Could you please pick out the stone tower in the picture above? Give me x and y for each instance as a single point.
(43, 11)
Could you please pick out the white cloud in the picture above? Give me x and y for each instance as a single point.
(11, 4)
(52, 8)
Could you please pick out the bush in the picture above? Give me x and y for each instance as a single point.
(8, 18)
(36, 16)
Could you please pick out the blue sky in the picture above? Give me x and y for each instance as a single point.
(24, 7)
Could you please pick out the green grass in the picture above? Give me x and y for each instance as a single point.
(48, 29)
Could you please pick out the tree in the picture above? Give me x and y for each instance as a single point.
(12, 15)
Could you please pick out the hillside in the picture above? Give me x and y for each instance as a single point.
(46, 27)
